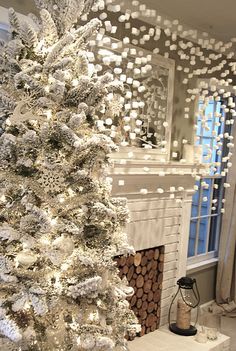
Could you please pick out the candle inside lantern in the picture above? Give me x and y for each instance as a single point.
(183, 315)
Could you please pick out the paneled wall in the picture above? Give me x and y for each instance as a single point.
(206, 281)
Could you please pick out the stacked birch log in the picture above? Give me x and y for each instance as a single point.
(144, 272)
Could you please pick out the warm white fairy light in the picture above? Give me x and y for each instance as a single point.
(45, 240)
(57, 284)
(61, 198)
(75, 82)
(53, 221)
(3, 198)
(48, 114)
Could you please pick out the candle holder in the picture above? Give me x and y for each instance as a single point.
(187, 298)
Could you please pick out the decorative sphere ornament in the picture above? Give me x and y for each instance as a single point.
(64, 244)
(26, 258)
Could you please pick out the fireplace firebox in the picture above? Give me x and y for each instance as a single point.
(144, 272)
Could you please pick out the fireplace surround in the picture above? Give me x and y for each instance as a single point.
(158, 218)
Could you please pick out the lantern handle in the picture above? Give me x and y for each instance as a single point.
(196, 294)
(172, 304)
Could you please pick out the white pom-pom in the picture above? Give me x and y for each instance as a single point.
(160, 190)
(175, 143)
(77, 144)
(174, 154)
(109, 121)
(178, 201)
(130, 154)
(165, 124)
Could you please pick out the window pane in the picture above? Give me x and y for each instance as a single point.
(207, 131)
(210, 109)
(217, 194)
(214, 228)
(192, 238)
(195, 201)
(207, 149)
(206, 196)
(206, 141)
(202, 239)
(199, 126)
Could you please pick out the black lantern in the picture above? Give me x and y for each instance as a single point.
(187, 297)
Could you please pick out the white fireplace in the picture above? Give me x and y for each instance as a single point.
(159, 199)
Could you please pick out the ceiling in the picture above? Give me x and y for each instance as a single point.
(217, 17)
(213, 16)
(22, 6)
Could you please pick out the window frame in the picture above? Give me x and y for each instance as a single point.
(208, 256)
(196, 258)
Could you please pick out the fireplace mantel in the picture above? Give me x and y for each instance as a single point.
(132, 177)
(134, 167)
(145, 167)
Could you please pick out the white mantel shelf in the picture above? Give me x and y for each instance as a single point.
(150, 167)
(150, 175)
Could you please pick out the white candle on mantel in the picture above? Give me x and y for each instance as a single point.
(188, 153)
(230, 101)
(198, 152)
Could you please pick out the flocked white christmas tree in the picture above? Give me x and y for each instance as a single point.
(59, 226)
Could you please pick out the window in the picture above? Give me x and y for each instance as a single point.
(206, 213)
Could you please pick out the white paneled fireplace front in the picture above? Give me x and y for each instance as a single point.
(159, 199)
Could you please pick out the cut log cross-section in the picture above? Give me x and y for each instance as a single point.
(144, 272)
